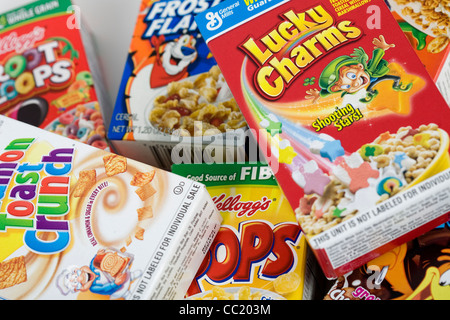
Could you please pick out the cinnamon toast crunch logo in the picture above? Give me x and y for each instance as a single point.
(283, 53)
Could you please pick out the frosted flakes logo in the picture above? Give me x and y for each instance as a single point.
(214, 21)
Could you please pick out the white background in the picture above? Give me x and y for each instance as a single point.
(111, 23)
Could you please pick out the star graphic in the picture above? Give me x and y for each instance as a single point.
(337, 212)
(315, 182)
(359, 176)
(274, 128)
(385, 136)
(286, 155)
(306, 204)
(332, 150)
(399, 157)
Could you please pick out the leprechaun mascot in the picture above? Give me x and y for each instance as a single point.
(349, 74)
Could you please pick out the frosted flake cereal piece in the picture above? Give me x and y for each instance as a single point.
(114, 164)
(145, 213)
(286, 283)
(142, 178)
(86, 181)
(12, 272)
(139, 234)
(145, 192)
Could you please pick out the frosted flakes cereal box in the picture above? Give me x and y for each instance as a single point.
(173, 95)
(77, 222)
(349, 119)
(416, 270)
(45, 76)
(427, 27)
(260, 252)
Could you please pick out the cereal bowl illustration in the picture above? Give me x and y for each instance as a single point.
(377, 171)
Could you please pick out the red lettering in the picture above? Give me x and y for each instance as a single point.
(282, 250)
(256, 245)
(48, 185)
(20, 208)
(11, 156)
(225, 254)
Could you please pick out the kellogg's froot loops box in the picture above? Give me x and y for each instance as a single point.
(259, 252)
(172, 92)
(45, 76)
(350, 121)
(77, 222)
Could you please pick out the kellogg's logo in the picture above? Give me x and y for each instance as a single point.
(242, 208)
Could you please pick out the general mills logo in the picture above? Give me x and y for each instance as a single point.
(215, 21)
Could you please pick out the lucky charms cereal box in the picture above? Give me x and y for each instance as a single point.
(48, 74)
(77, 222)
(350, 121)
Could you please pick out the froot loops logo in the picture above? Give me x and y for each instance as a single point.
(35, 71)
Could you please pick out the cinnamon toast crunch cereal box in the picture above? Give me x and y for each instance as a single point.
(346, 115)
(173, 99)
(78, 222)
(260, 252)
(427, 27)
(48, 76)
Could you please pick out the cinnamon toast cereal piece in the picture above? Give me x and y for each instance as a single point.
(114, 164)
(145, 192)
(12, 272)
(139, 234)
(142, 178)
(86, 181)
(145, 213)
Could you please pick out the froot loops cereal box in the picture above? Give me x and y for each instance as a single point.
(172, 93)
(353, 126)
(78, 222)
(46, 79)
(259, 252)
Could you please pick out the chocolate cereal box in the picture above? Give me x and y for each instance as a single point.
(173, 102)
(77, 222)
(416, 270)
(259, 252)
(349, 119)
(46, 79)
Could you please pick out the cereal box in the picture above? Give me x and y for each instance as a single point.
(349, 119)
(417, 270)
(45, 76)
(173, 99)
(260, 252)
(427, 26)
(78, 222)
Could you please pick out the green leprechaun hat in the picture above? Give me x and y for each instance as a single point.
(330, 74)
